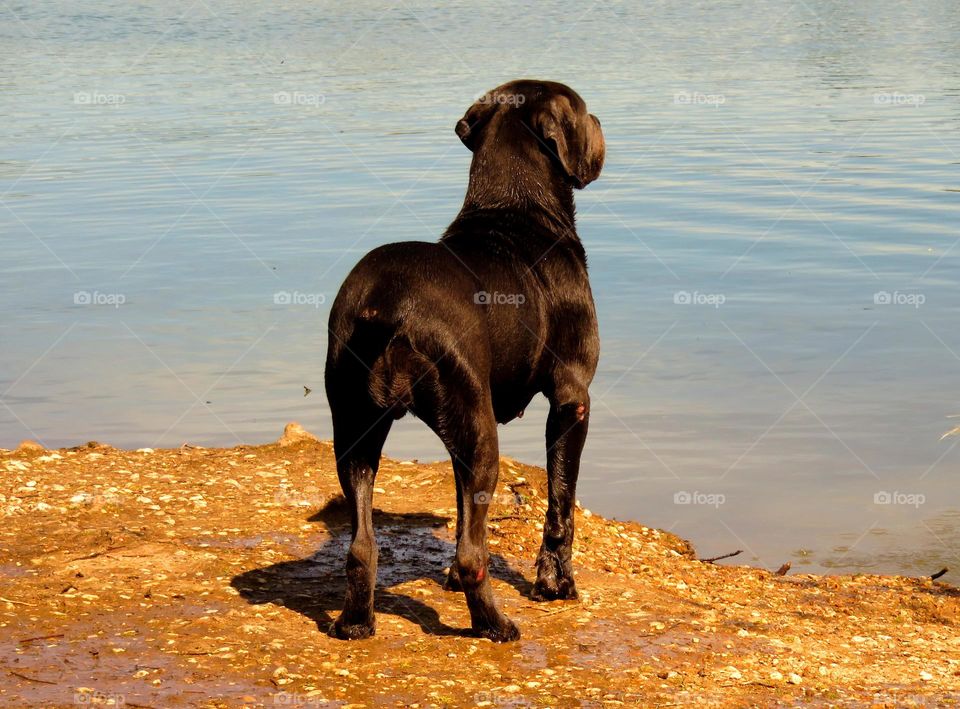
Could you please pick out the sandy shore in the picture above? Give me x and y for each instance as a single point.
(207, 577)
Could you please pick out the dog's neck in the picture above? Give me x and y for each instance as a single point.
(521, 183)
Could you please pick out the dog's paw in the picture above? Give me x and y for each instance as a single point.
(553, 589)
(504, 632)
(351, 631)
(453, 581)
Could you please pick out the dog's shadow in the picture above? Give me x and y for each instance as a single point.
(409, 549)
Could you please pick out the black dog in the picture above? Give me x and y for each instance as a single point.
(464, 332)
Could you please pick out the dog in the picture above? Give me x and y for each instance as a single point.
(462, 333)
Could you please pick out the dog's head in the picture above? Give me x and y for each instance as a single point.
(548, 116)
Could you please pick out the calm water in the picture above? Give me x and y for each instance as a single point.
(780, 165)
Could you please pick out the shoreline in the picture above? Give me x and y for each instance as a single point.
(207, 577)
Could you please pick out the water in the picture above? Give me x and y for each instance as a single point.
(791, 162)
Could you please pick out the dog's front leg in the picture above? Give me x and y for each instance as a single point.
(566, 433)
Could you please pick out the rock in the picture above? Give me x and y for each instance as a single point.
(294, 433)
(794, 678)
(28, 446)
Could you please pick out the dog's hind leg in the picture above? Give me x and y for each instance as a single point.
(357, 442)
(453, 577)
(566, 433)
(474, 450)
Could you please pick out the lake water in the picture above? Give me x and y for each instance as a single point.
(773, 242)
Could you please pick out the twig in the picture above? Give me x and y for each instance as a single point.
(41, 637)
(941, 572)
(782, 571)
(722, 556)
(550, 611)
(95, 554)
(30, 679)
(666, 630)
(19, 603)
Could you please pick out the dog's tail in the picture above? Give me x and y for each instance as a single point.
(372, 352)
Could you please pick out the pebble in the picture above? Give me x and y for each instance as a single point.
(794, 678)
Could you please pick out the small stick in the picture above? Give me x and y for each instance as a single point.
(94, 555)
(661, 632)
(30, 679)
(551, 611)
(782, 571)
(941, 572)
(41, 637)
(19, 603)
(722, 556)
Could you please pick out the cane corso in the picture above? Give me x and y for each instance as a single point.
(464, 332)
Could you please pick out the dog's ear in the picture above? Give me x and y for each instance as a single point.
(474, 121)
(573, 137)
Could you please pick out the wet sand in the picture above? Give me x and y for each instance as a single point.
(208, 577)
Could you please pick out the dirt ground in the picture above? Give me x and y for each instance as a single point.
(208, 577)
